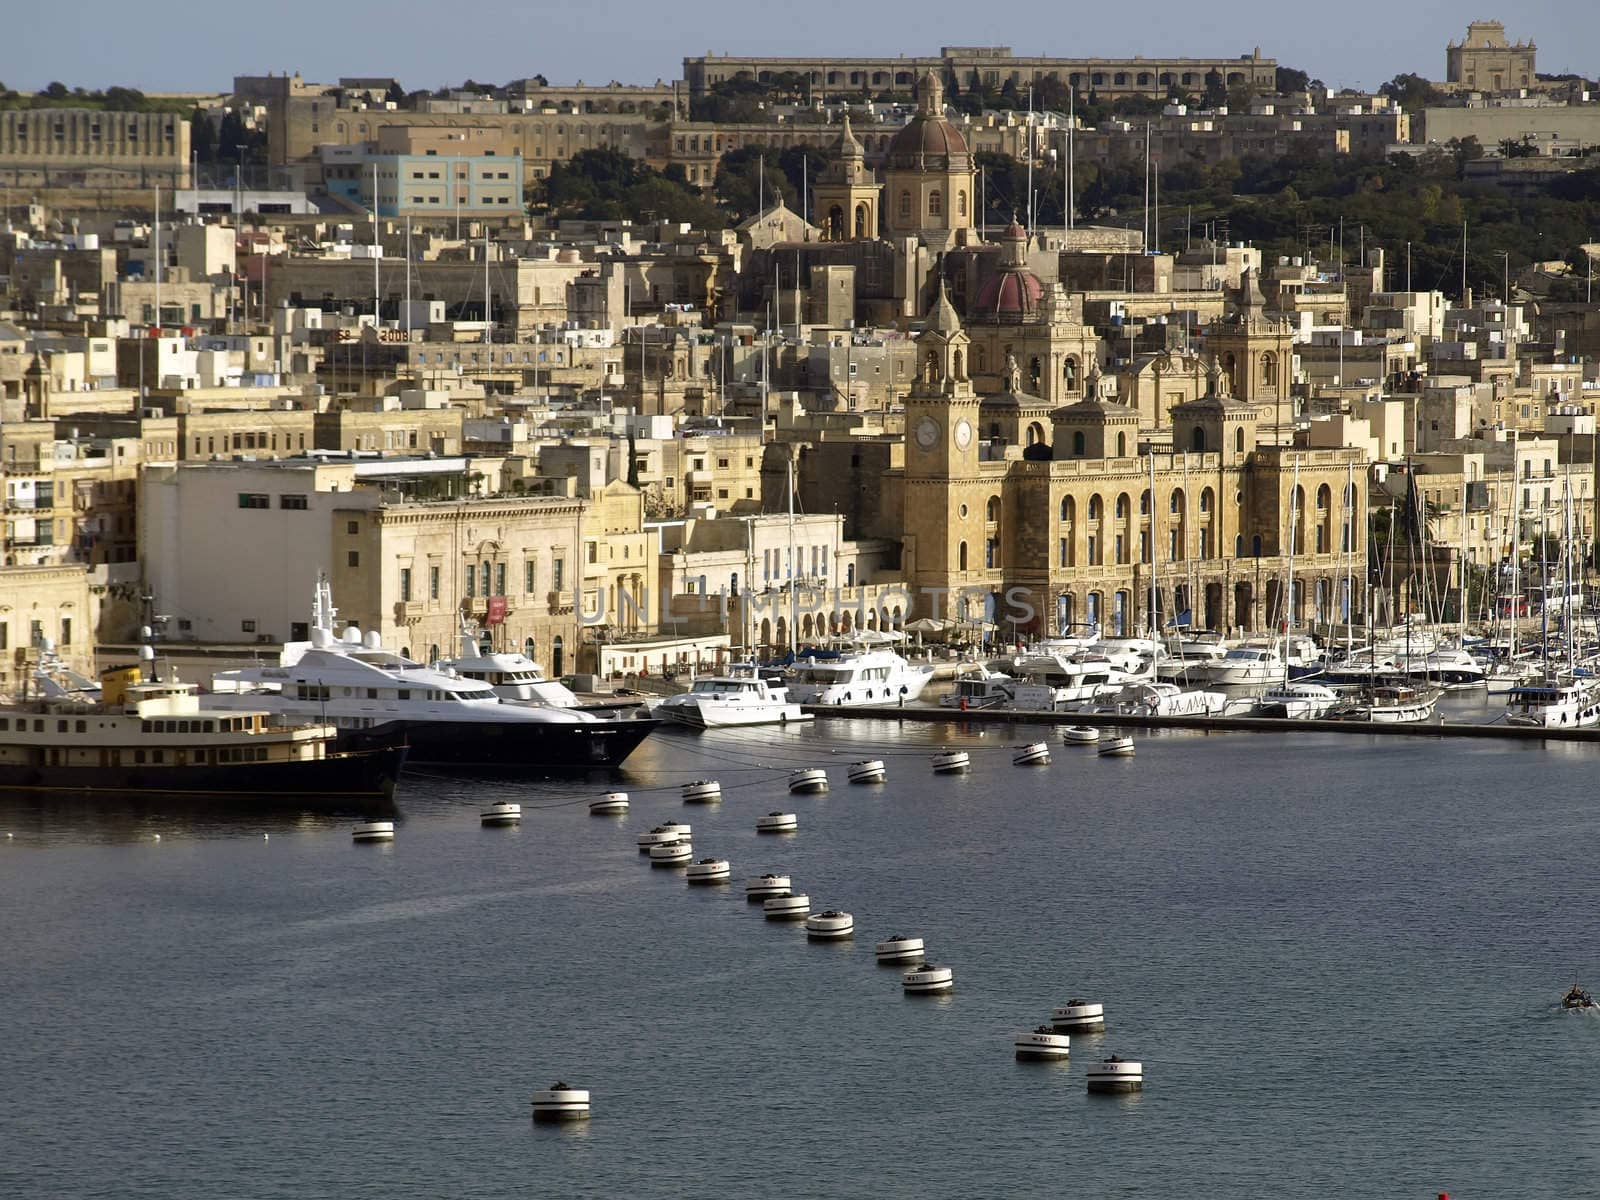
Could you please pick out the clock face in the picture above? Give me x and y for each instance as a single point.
(963, 434)
(927, 433)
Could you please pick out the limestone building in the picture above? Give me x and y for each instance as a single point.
(1484, 61)
(59, 147)
(928, 175)
(1094, 527)
(846, 193)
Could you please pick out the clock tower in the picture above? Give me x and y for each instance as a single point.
(951, 526)
(942, 409)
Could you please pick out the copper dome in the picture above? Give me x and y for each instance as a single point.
(929, 142)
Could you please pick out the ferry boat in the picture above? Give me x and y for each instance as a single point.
(156, 738)
(374, 695)
(865, 677)
(741, 697)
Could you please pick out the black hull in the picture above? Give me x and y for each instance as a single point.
(493, 744)
(365, 774)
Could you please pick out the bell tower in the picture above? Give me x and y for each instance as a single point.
(942, 409)
(846, 194)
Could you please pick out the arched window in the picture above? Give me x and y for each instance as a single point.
(1033, 371)
(1069, 373)
(1077, 443)
(1269, 370)
(960, 365)
(861, 221)
(992, 512)
(1122, 445)
(1096, 509)
(961, 557)
(433, 653)
(1066, 508)
(528, 647)
(1205, 501)
(905, 205)
(1121, 510)
(936, 203)
(961, 203)
(1144, 503)
(1197, 440)
(980, 360)
(1238, 440)
(1255, 546)
(1176, 504)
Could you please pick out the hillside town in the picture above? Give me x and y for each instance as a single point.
(638, 380)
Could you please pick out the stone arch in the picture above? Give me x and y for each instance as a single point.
(1069, 373)
(1238, 440)
(862, 217)
(1035, 433)
(961, 556)
(1269, 370)
(1122, 445)
(959, 362)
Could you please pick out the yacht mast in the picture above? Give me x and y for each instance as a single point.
(794, 571)
(1294, 536)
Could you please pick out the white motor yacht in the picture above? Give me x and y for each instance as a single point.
(1166, 700)
(1185, 660)
(1051, 681)
(1565, 702)
(371, 695)
(981, 688)
(1297, 700)
(512, 676)
(741, 697)
(865, 677)
(1253, 662)
(1445, 668)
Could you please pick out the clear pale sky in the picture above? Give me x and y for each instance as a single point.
(167, 45)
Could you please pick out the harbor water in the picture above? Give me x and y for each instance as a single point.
(1339, 958)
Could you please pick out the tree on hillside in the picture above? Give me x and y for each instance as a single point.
(1410, 91)
(752, 177)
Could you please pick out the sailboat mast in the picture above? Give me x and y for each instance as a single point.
(1294, 536)
(1154, 629)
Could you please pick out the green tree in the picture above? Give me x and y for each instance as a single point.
(202, 136)
(750, 177)
(1411, 91)
(633, 459)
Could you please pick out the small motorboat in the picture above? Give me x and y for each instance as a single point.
(1080, 735)
(1576, 997)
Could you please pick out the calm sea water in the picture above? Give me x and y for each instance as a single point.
(1338, 957)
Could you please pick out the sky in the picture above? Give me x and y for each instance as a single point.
(177, 45)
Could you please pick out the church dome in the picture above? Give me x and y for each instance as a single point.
(929, 142)
(1009, 297)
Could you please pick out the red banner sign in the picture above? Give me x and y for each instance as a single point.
(497, 611)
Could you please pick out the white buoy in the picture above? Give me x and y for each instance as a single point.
(265, 837)
(702, 791)
(709, 870)
(927, 978)
(1043, 1043)
(900, 949)
(609, 805)
(681, 828)
(792, 907)
(671, 854)
(764, 887)
(1117, 747)
(658, 836)
(1079, 1016)
(561, 1102)
(777, 822)
(951, 762)
(830, 924)
(158, 837)
(1116, 1075)
(807, 781)
(1034, 754)
(1080, 735)
(372, 831)
(870, 770)
(502, 814)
